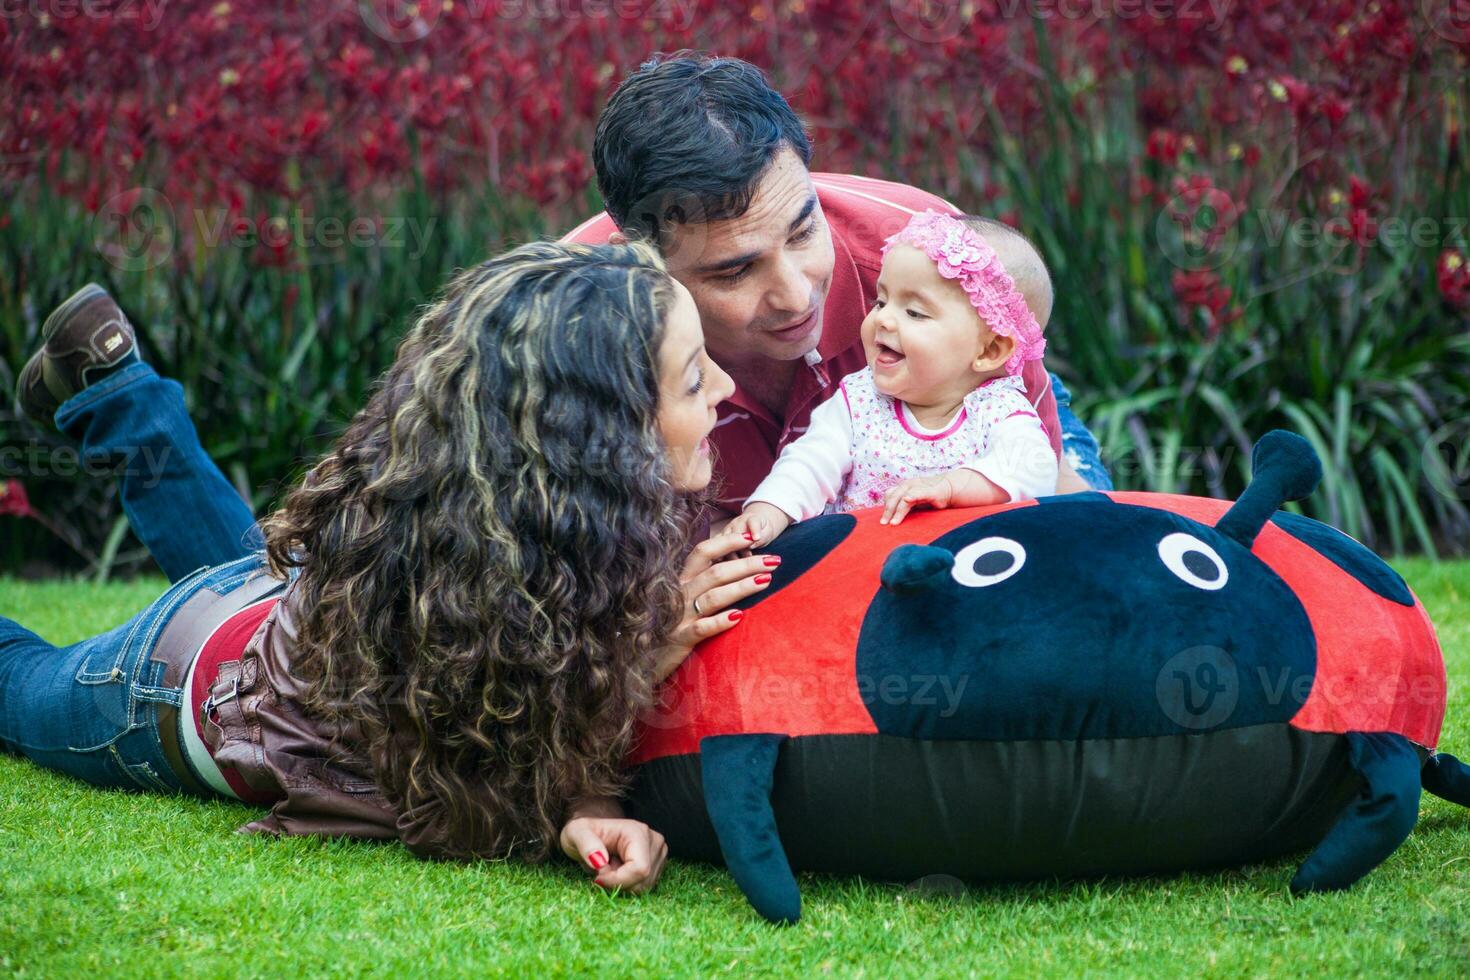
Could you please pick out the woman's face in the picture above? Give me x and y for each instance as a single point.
(690, 386)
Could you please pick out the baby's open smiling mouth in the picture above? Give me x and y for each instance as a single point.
(886, 355)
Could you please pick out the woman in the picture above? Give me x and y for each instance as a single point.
(459, 615)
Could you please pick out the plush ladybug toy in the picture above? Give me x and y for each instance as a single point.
(1087, 684)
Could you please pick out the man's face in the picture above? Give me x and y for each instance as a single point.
(760, 280)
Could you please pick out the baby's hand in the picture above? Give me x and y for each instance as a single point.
(935, 491)
(763, 522)
(957, 488)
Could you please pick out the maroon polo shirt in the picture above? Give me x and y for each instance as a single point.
(861, 213)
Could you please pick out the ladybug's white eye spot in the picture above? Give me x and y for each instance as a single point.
(1193, 561)
(988, 561)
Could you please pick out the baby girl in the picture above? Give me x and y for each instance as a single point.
(939, 417)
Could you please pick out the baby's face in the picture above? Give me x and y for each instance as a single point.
(922, 337)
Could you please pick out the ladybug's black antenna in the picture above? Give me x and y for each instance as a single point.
(1284, 466)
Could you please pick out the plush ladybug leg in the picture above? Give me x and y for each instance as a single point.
(737, 771)
(1447, 778)
(1373, 825)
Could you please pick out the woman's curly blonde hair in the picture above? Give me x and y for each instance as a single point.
(489, 555)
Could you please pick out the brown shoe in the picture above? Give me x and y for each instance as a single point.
(82, 339)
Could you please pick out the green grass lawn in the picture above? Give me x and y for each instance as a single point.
(99, 882)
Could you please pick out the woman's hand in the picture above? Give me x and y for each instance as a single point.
(623, 854)
(713, 581)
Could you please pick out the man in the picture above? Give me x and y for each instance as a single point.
(702, 156)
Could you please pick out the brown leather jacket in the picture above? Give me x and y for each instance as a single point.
(254, 723)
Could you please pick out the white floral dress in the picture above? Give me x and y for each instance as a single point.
(862, 443)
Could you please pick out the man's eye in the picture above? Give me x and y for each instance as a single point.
(804, 236)
(735, 276)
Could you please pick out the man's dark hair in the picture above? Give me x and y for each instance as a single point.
(686, 137)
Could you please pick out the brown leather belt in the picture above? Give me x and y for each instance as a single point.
(178, 644)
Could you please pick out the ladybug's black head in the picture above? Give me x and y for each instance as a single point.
(1086, 618)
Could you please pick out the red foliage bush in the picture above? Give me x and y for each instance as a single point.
(215, 103)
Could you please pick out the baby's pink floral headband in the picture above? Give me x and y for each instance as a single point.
(961, 254)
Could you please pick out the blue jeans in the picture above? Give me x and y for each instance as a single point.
(90, 709)
(1078, 445)
(178, 502)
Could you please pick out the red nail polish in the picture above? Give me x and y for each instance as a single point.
(772, 560)
(736, 615)
(748, 536)
(598, 860)
(762, 579)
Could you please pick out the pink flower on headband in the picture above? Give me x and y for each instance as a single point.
(961, 254)
(958, 255)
